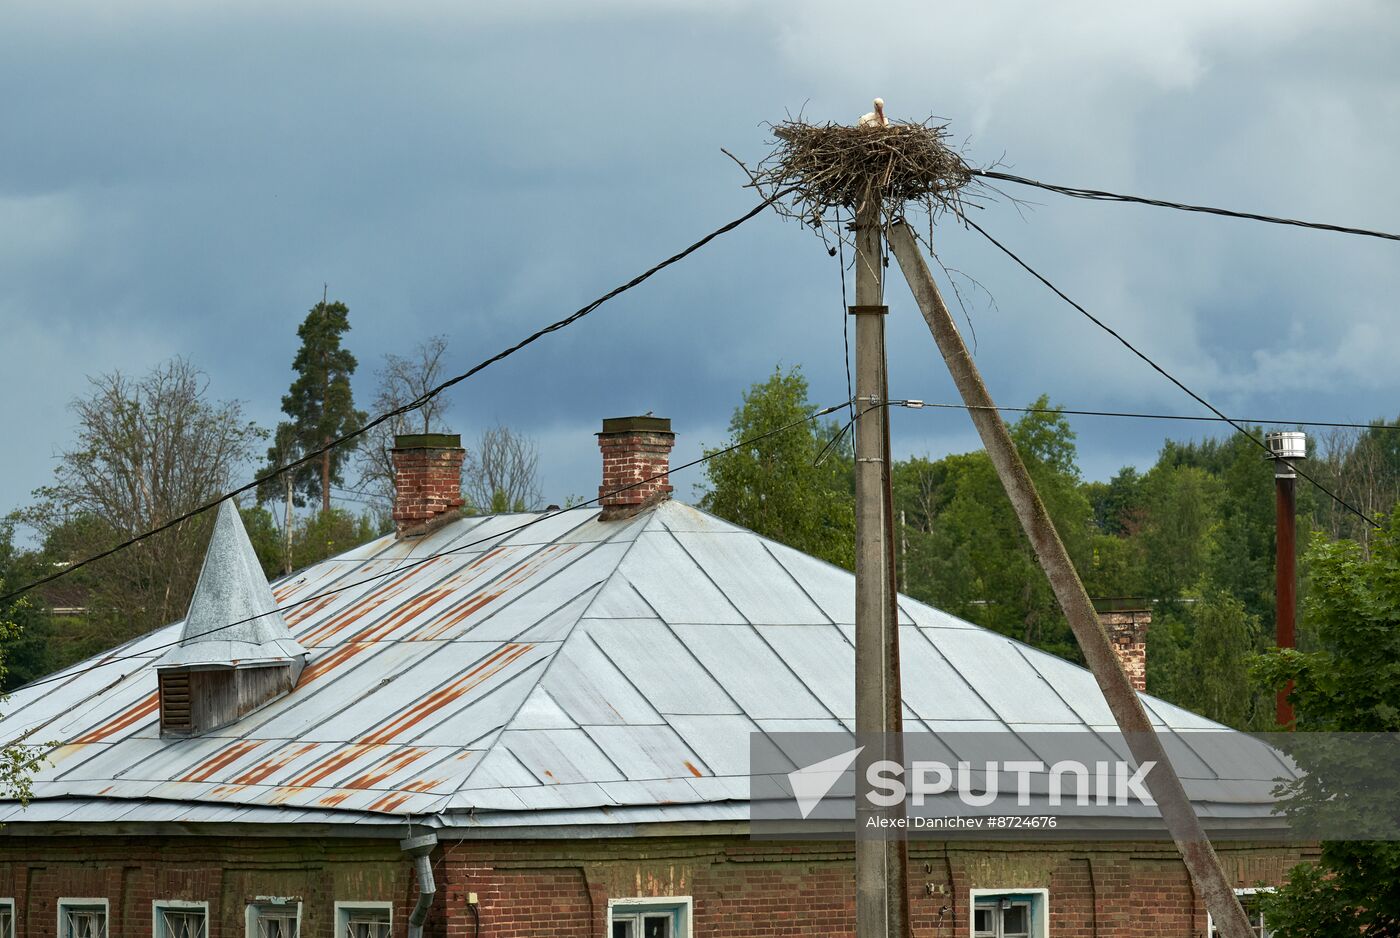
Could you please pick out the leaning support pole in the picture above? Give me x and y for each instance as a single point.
(1162, 781)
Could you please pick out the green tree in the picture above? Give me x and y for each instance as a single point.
(777, 487)
(1346, 684)
(18, 763)
(148, 450)
(329, 533)
(320, 405)
(967, 553)
(1213, 679)
(30, 652)
(1178, 517)
(266, 539)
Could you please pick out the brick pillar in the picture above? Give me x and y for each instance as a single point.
(427, 481)
(634, 449)
(1128, 631)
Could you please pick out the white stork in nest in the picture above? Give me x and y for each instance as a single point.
(875, 118)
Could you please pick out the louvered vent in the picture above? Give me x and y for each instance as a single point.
(175, 711)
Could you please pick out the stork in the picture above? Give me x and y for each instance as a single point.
(875, 118)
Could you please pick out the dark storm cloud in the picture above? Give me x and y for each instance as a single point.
(182, 181)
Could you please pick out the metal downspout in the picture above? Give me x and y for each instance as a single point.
(421, 848)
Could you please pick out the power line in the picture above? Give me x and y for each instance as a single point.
(544, 516)
(1100, 195)
(1168, 375)
(412, 405)
(916, 404)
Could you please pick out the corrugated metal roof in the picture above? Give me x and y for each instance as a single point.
(574, 672)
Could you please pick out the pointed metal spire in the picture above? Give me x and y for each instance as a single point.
(233, 618)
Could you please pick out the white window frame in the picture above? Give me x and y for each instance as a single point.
(1244, 891)
(686, 904)
(173, 905)
(1040, 924)
(67, 902)
(343, 910)
(9, 904)
(259, 903)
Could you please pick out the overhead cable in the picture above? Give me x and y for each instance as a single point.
(406, 408)
(1168, 375)
(1100, 195)
(400, 568)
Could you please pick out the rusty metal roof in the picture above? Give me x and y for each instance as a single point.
(573, 672)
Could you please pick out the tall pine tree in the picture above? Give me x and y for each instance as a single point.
(320, 404)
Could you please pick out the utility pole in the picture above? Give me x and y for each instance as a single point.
(882, 904)
(1286, 446)
(1162, 781)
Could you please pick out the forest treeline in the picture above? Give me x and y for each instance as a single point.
(1191, 537)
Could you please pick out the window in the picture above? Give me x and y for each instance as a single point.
(274, 918)
(7, 918)
(664, 917)
(363, 919)
(1020, 914)
(82, 918)
(1249, 898)
(181, 919)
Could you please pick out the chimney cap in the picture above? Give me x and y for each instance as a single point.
(428, 441)
(643, 424)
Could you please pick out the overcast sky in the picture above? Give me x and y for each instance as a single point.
(181, 179)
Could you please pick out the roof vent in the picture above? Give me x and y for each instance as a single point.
(235, 652)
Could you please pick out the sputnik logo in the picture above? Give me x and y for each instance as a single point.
(811, 784)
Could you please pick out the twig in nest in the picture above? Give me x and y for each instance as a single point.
(832, 166)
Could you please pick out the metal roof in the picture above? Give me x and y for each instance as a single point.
(573, 672)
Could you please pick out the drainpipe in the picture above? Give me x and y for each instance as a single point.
(420, 849)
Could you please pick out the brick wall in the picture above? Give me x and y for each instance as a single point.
(427, 480)
(1128, 632)
(635, 449)
(131, 873)
(741, 888)
(561, 888)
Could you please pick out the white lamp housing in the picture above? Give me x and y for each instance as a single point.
(1287, 444)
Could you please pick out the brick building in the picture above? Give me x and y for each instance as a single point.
(538, 725)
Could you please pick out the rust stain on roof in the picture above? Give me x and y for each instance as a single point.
(422, 785)
(132, 714)
(390, 802)
(472, 604)
(332, 763)
(373, 601)
(308, 609)
(331, 801)
(219, 760)
(279, 761)
(693, 770)
(387, 767)
(445, 695)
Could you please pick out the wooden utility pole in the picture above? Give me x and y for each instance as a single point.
(1181, 821)
(882, 898)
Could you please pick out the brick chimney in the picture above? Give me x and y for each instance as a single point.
(634, 448)
(427, 481)
(1127, 629)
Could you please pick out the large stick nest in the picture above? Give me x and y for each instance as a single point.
(826, 168)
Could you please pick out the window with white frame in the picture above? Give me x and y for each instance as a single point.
(274, 918)
(1249, 898)
(661, 917)
(1010, 914)
(181, 919)
(82, 918)
(363, 920)
(7, 918)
